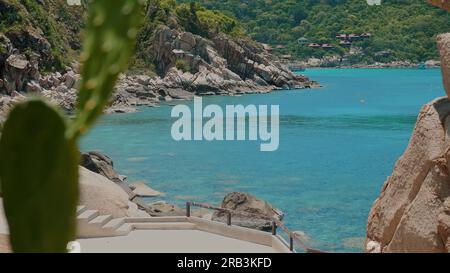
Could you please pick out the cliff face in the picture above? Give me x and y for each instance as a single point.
(47, 28)
(220, 65)
(412, 213)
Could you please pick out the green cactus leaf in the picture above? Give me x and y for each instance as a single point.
(111, 33)
(39, 175)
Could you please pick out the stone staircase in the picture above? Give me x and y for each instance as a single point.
(91, 224)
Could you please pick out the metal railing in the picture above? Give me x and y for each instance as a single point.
(294, 239)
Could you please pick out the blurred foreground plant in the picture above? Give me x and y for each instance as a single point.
(38, 147)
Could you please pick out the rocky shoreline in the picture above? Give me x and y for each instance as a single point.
(335, 62)
(258, 213)
(187, 65)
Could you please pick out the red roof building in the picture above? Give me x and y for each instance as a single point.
(443, 4)
(314, 45)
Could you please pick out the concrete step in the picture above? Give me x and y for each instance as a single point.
(88, 215)
(114, 224)
(124, 229)
(81, 209)
(102, 226)
(101, 220)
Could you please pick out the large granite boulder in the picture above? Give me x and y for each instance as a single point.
(99, 193)
(412, 212)
(162, 209)
(250, 211)
(29, 38)
(99, 163)
(19, 70)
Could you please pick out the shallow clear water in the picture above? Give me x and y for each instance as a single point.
(337, 146)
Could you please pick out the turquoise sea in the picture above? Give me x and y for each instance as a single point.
(337, 146)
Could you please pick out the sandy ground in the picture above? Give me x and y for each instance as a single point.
(171, 241)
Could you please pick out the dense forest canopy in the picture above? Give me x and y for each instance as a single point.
(406, 28)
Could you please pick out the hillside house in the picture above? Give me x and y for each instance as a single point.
(314, 45)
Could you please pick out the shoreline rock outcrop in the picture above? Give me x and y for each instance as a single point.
(187, 65)
(101, 164)
(99, 193)
(250, 211)
(142, 190)
(163, 209)
(337, 62)
(221, 65)
(412, 213)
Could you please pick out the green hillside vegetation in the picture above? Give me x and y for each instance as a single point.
(407, 28)
(190, 17)
(59, 23)
(62, 26)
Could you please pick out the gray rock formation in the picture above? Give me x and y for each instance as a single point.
(161, 209)
(250, 211)
(222, 65)
(19, 70)
(141, 189)
(99, 193)
(30, 38)
(19, 75)
(412, 214)
(99, 163)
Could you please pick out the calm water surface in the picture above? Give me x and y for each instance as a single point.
(337, 146)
